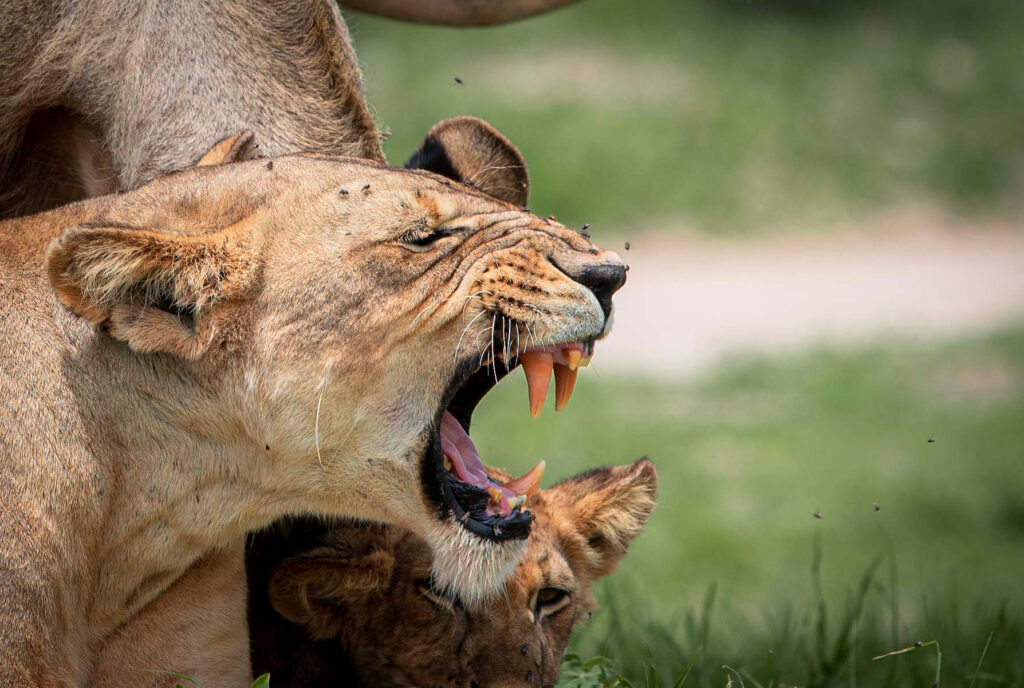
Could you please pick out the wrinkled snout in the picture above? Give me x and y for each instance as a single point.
(604, 275)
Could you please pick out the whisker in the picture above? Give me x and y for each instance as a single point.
(316, 422)
(464, 331)
(475, 296)
(494, 366)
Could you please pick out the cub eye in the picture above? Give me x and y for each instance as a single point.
(551, 600)
(442, 599)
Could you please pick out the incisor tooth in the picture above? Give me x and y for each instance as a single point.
(529, 483)
(565, 380)
(495, 494)
(537, 367)
(516, 501)
(573, 356)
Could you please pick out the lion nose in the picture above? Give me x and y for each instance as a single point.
(604, 280)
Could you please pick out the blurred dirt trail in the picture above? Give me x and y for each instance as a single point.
(689, 301)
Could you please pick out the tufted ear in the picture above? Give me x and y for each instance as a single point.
(306, 589)
(234, 148)
(150, 289)
(471, 151)
(609, 507)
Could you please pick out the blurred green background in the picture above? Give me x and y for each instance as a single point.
(739, 120)
(729, 115)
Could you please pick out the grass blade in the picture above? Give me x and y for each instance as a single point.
(981, 659)
(689, 667)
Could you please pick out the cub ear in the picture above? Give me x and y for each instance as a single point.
(306, 589)
(234, 148)
(471, 151)
(609, 507)
(151, 289)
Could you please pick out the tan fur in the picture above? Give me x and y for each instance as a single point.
(191, 629)
(103, 95)
(367, 589)
(241, 343)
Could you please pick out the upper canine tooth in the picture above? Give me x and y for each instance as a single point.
(537, 367)
(565, 380)
(573, 356)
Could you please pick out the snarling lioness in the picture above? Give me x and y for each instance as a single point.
(368, 590)
(227, 345)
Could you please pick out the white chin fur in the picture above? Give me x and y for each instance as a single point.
(473, 568)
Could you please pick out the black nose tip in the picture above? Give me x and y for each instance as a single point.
(604, 280)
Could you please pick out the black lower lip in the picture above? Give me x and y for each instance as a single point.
(469, 506)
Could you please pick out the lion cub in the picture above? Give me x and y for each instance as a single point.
(368, 588)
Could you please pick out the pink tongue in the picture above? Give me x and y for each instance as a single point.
(457, 446)
(466, 465)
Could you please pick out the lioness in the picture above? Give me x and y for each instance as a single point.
(98, 96)
(369, 589)
(272, 337)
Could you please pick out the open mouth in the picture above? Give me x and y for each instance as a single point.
(490, 509)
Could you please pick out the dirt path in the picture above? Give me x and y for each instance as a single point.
(691, 300)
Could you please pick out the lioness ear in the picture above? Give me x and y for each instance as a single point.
(609, 506)
(307, 588)
(147, 288)
(471, 151)
(234, 148)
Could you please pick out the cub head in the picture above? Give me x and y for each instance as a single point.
(370, 589)
(331, 323)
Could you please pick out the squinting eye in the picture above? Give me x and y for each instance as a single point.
(420, 239)
(423, 238)
(550, 600)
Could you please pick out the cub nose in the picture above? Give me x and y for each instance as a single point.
(604, 280)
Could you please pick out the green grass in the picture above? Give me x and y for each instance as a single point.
(734, 561)
(727, 116)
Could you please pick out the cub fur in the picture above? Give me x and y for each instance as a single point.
(368, 589)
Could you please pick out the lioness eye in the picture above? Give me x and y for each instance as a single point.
(421, 239)
(550, 600)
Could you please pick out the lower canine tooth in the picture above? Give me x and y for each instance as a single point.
(528, 484)
(447, 463)
(537, 367)
(495, 494)
(516, 501)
